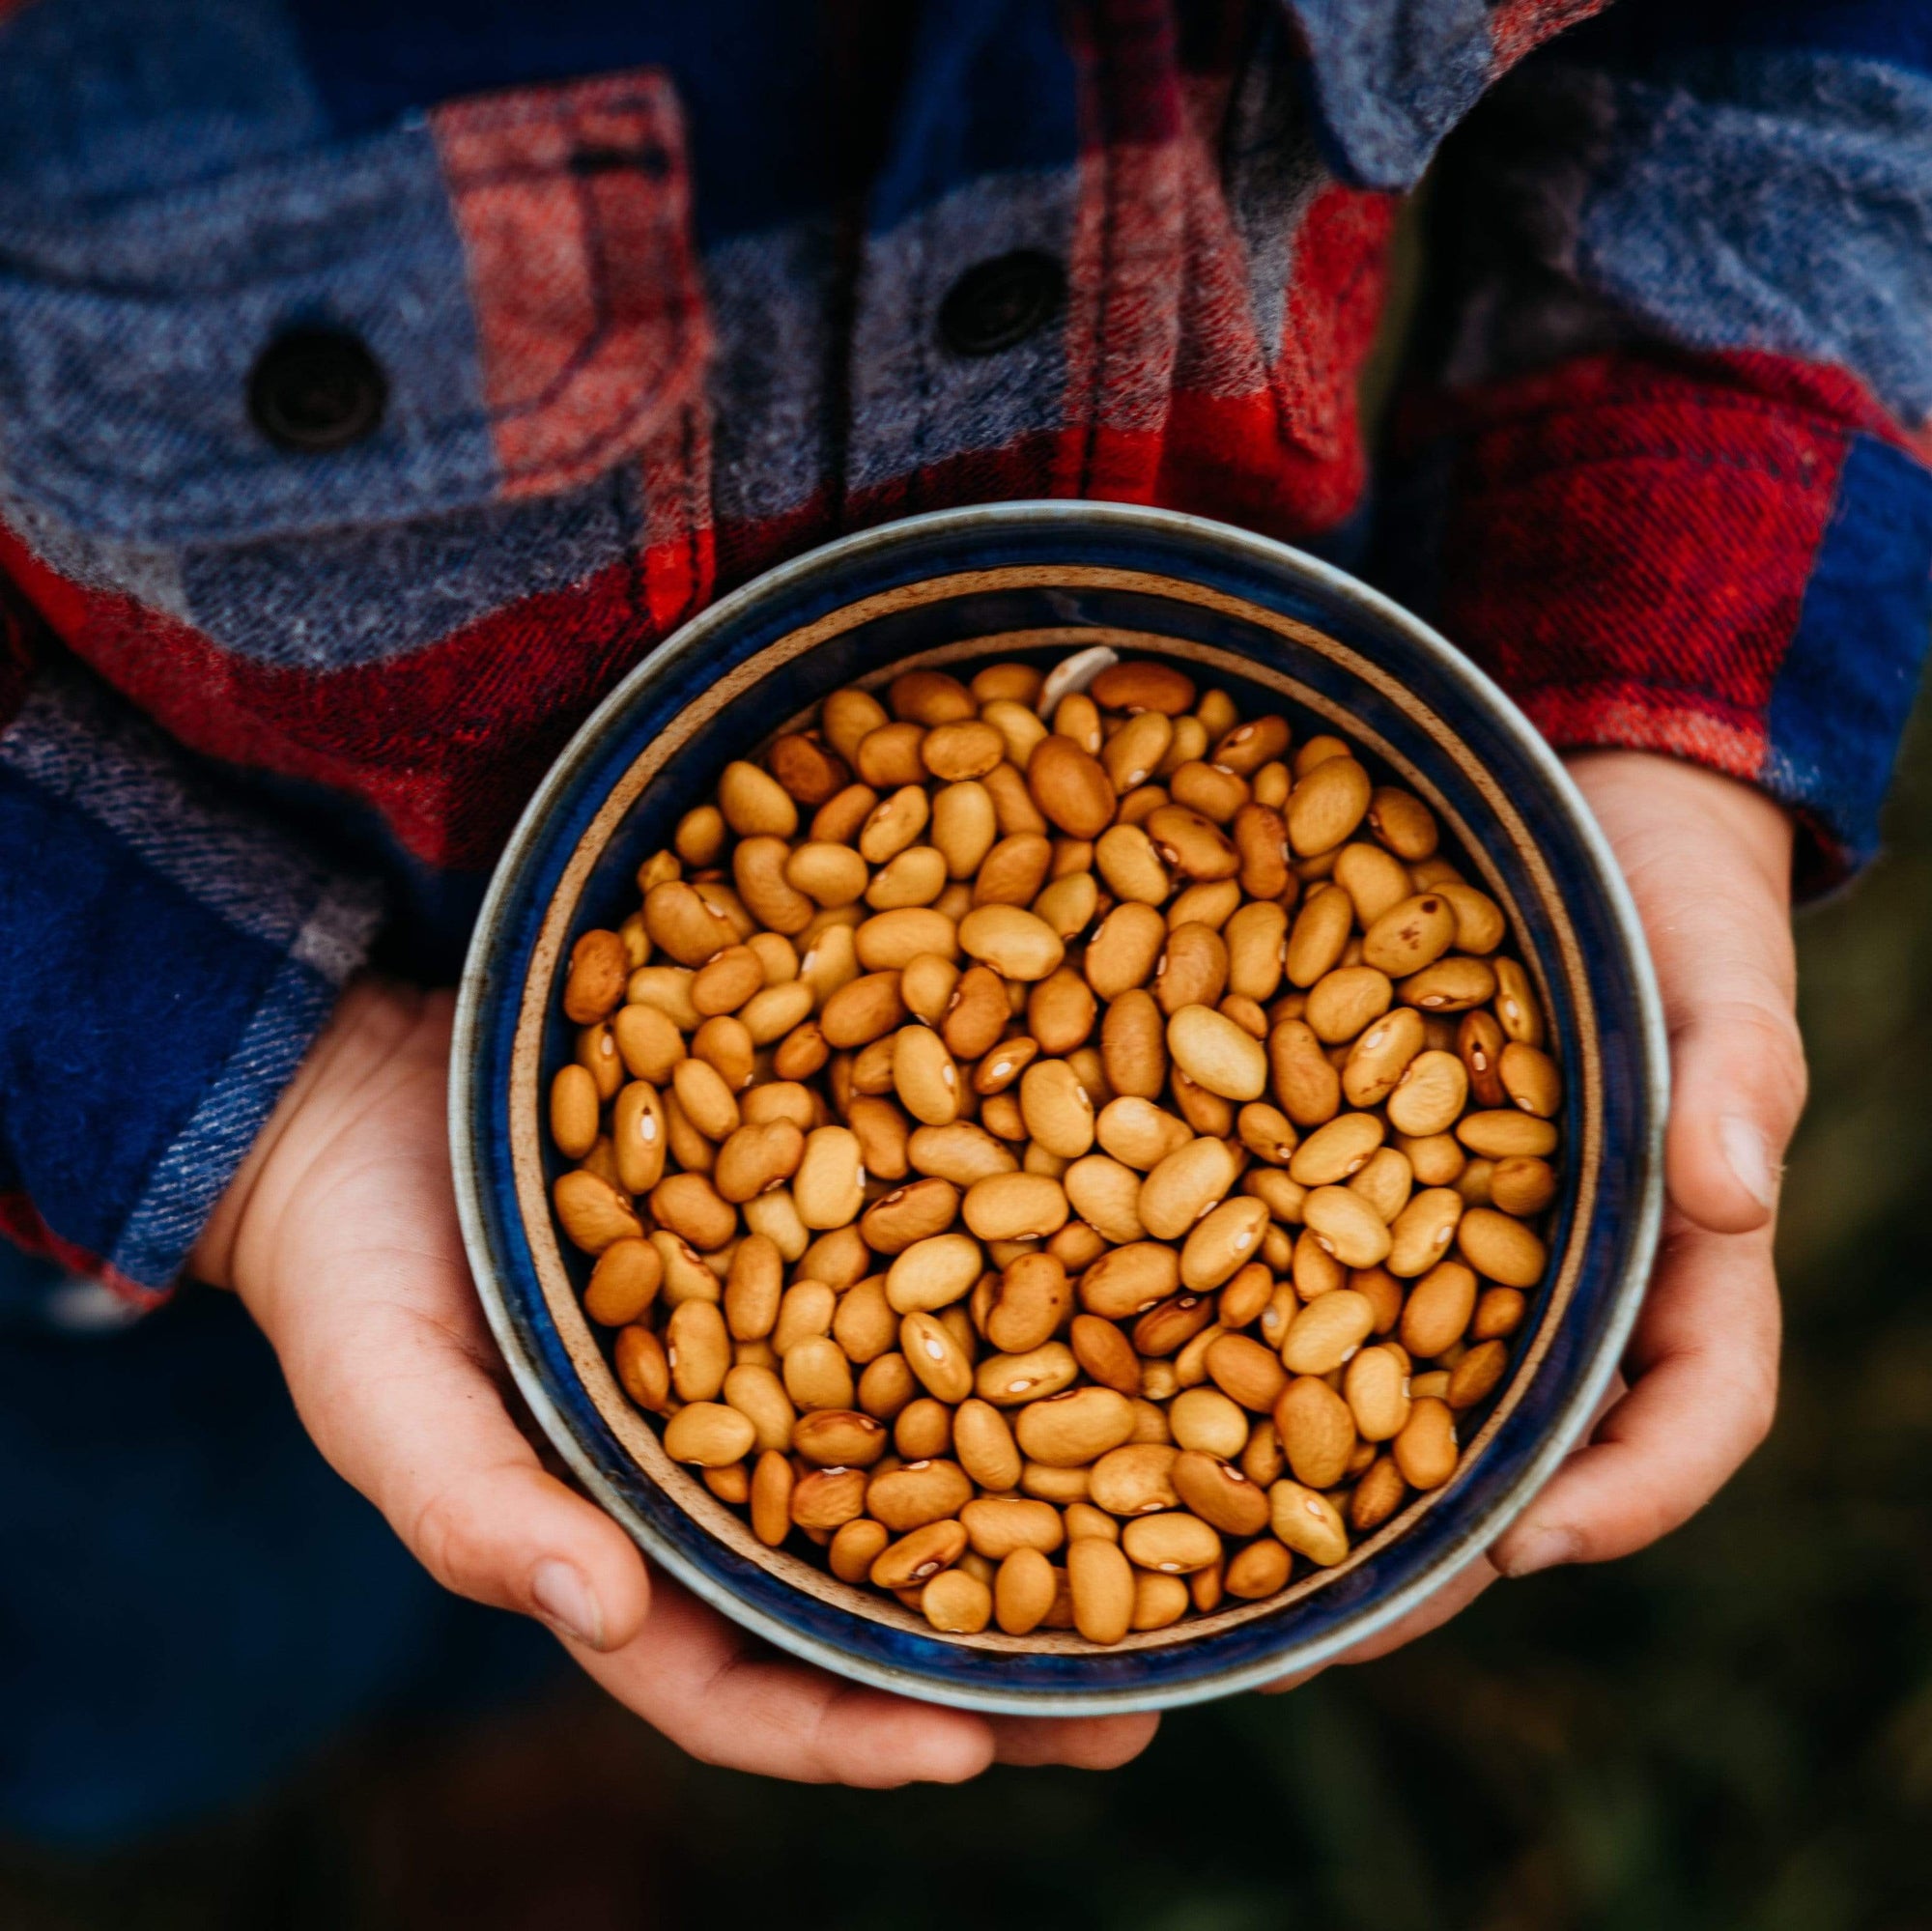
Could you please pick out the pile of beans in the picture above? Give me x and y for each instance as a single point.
(1066, 1160)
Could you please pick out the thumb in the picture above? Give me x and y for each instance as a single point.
(346, 1249)
(393, 1380)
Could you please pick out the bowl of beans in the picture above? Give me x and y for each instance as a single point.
(1059, 1108)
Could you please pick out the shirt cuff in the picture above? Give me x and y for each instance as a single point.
(169, 958)
(1727, 560)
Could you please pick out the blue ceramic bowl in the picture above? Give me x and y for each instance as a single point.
(1280, 632)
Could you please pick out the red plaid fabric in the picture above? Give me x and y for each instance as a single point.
(645, 325)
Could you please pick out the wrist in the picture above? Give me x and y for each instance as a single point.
(370, 1021)
(1673, 806)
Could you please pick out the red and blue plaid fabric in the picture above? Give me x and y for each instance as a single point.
(655, 296)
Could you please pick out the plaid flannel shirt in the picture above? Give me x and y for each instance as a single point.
(643, 298)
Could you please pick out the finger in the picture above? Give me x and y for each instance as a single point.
(1704, 1361)
(351, 1259)
(726, 1700)
(1431, 1613)
(1738, 1068)
(1708, 862)
(404, 1408)
(1080, 1742)
(1450, 1600)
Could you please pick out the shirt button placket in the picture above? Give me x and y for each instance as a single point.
(958, 347)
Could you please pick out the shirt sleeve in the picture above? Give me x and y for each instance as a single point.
(168, 956)
(1669, 482)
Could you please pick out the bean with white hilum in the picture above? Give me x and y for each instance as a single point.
(1068, 1171)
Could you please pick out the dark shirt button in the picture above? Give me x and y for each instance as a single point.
(316, 390)
(999, 304)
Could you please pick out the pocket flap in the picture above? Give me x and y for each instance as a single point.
(518, 268)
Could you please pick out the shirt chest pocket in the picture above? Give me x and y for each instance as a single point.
(494, 302)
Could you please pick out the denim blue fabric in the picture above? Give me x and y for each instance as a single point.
(1011, 55)
(191, 1603)
(271, 940)
(751, 75)
(1644, 32)
(101, 98)
(1835, 716)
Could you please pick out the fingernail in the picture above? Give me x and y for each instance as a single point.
(1543, 1548)
(564, 1601)
(1749, 1155)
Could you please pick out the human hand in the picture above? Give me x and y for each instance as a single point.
(1708, 861)
(340, 1235)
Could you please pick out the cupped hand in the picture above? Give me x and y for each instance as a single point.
(1708, 861)
(340, 1235)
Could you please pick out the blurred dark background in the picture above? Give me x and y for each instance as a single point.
(1732, 1731)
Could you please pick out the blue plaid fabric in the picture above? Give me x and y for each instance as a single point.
(654, 293)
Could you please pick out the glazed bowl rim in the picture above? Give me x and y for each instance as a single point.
(1577, 1409)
